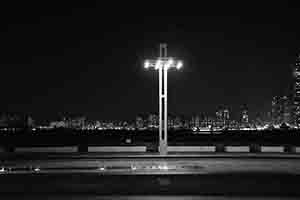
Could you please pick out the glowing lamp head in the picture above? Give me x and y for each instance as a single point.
(179, 65)
(158, 64)
(147, 64)
(170, 63)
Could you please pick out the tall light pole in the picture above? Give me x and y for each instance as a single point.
(162, 64)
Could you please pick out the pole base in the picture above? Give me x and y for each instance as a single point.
(163, 149)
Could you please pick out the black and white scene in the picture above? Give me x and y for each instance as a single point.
(149, 100)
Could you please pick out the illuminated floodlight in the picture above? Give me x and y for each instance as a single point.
(147, 64)
(169, 63)
(158, 64)
(2, 170)
(133, 167)
(179, 65)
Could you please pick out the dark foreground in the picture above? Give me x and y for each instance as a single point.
(230, 184)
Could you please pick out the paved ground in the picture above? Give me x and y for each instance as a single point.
(232, 174)
(151, 163)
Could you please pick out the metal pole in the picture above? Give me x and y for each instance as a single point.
(162, 64)
(163, 115)
(160, 108)
(165, 111)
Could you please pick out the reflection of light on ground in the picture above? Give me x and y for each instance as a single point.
(101, 168)
(36, 169)
(153, 166)
(163, 167)
(133, 168)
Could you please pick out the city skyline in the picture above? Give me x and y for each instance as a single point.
(97, 70)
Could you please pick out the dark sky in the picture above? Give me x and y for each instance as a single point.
(88, 58)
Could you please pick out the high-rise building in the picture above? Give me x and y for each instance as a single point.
(30, 122)
(226, 114)
(281, 110)
(153, 121)
(171, 121)
(296, 92)
(222, 116)
(195, 121)
(139, 122)
(276, 110)
(219, 114)
(285, 110)
(178, 122)
(244, 115)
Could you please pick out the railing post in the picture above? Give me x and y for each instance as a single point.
(82, 148)
(255, 148)
(220, 148)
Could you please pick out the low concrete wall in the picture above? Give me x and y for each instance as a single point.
(117, 149)
(68, 149)
(222, 148)
(237, 149)
(192, 148)
(272, 149)
(297, 149)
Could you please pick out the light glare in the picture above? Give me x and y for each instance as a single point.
(170, 63)
(146, 64)
(163, 167)
(158, 64)
(179, 65)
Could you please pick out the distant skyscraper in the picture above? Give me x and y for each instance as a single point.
(222, 116)
(244, 115)
(219, 114)
(285, 110)
(152, 121)
(280, 110)
(139, 122)
(296, 93)
(178, 122)
(30, 122)
(196, 121)
(171, 121)
(276, 110)
(226, 114)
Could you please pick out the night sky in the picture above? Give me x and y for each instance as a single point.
(88, 58)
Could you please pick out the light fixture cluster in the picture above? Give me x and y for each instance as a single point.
(165, 63)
